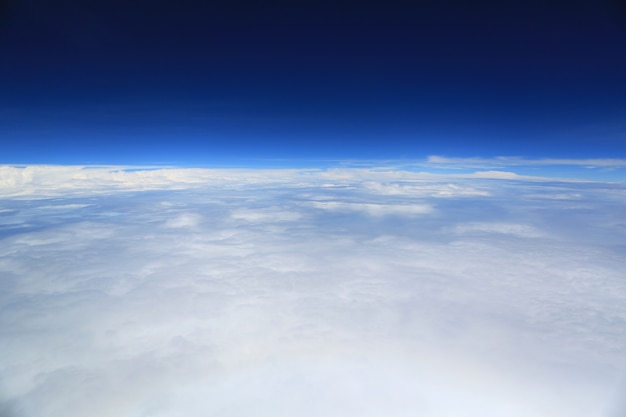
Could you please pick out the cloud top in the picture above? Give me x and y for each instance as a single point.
(337, 292)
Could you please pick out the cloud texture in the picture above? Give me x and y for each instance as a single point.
(306, 293)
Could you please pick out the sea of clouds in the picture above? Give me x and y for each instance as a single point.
(339, 292)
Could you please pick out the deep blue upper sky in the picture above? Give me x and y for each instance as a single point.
(204, 82)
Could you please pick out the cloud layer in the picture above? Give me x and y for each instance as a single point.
(517, 161)
(306, 292)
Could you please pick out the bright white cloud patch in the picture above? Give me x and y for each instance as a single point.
(309, 293)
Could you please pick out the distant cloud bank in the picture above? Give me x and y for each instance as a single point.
(48, 180)
(518, 161)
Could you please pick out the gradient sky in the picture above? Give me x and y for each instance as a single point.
(205, 83)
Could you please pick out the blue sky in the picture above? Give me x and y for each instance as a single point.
(210, 83)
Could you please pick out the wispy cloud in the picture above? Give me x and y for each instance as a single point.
(512, 161)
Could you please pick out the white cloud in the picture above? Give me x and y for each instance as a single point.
(422, 188)
(502, 175)
(374, 209)
(270, 214)
(520, 230)
(517, 161)
(183, 220)
(65, 206)
(41, 181)
(335, 293)
(38, 182)
(556, 196)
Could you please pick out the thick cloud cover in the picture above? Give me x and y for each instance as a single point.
(169, 293)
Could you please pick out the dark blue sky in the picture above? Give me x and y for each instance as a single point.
(205, 82)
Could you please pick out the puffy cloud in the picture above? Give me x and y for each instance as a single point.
(349, 292)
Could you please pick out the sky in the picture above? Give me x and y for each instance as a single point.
(195, 83)
(308, 292)
(312, 208)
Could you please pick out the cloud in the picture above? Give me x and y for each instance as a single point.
(374, 209)
(421, 188)
(280, 293)
(270, 214)
(183, 220)
(501, 161)
(39, 181)
(42, 181)
(520, 230)
(64, 206)
(502, 175)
